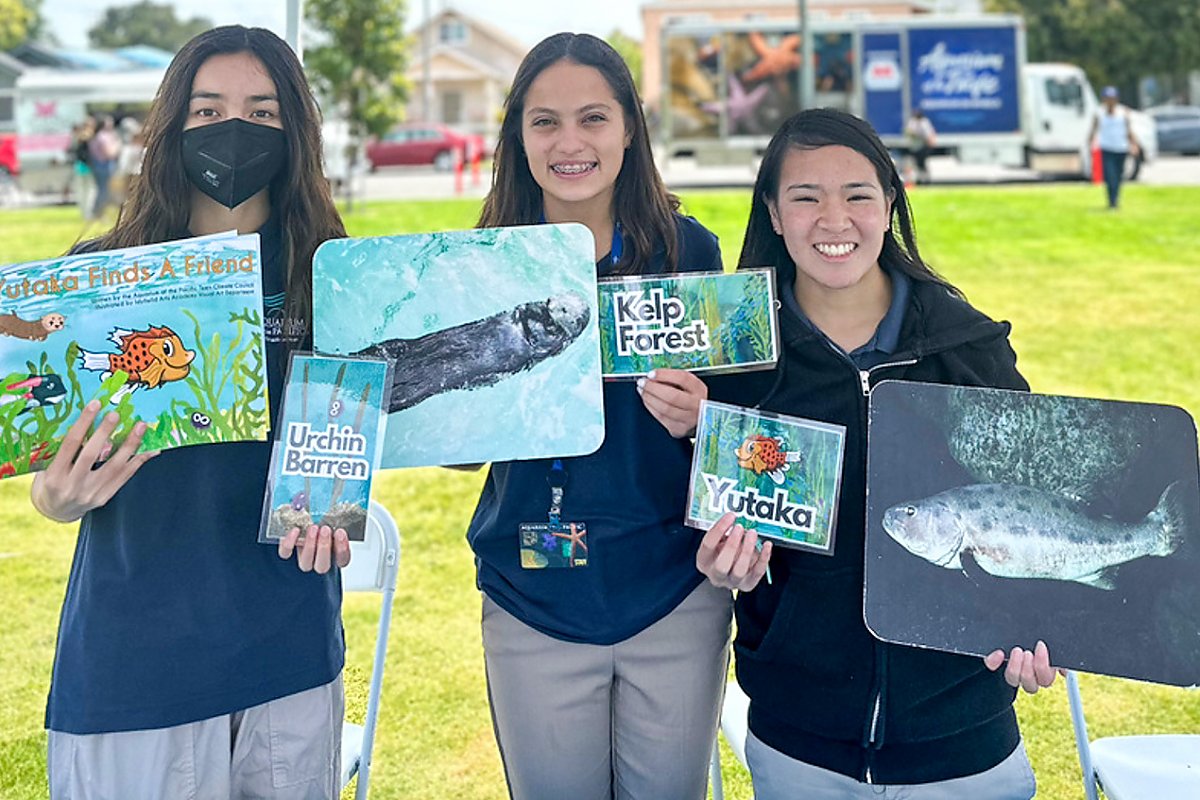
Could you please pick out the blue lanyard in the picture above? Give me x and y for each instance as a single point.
(615, 250)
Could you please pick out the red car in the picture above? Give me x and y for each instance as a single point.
(8, 154)
(421, 143)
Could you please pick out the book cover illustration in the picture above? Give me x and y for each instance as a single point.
(492, 334)
(780, 475)
(703, 322)
(327, 445)
(170, 334)
(997, 518)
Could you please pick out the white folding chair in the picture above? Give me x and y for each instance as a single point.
(374, 563)
(735, 712)
(1161, 767)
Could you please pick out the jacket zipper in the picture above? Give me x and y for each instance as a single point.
(864, 375)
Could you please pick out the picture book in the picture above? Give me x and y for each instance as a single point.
(327, 445)
(780, 475)
(996, 518)
(700, 321)
(492, 335)
(170, 334)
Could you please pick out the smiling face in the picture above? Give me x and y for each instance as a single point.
(233, 86)
(832, 212)
(574, 134)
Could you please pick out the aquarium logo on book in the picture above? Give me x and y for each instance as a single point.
(776, 510)
(646, 326)
(330, 453)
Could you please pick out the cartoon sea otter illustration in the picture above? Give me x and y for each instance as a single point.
(761, 454)
(35, 330)
(151, 358)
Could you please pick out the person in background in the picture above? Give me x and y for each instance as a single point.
(104, 148)
(604, 677)
(835, 712)
(1113, 134)
(921, 138)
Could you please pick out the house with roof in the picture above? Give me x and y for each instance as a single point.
(460, 69)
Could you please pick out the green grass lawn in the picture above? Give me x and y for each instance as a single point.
(1102, 305)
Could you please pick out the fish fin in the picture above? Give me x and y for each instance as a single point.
(776, 475)
(93, 362)
(1169, 517)
(793, 456)
(117, 335)
(120, 393)
(1100, 579)
(153, 373)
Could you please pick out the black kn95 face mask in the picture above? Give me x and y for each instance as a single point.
(233, 161)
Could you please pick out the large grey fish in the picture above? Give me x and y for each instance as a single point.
(482, 352)
(1070, 446)
(1019, 532)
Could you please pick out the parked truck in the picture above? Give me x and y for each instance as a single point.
(727, 86)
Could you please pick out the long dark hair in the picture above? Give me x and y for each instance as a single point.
(641, 202)
(159, 203)
(822, 127)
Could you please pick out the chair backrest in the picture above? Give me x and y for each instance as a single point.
(1082, 743)
(374, 566)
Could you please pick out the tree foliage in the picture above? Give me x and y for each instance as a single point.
(631, 51)
(1115, 41)
(18, 21)
(358, 61)
(147, 23)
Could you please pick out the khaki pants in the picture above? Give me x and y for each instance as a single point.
(286, 749)
(634, 720)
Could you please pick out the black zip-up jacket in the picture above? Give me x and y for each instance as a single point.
(822, 689)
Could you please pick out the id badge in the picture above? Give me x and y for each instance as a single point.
(549, 544)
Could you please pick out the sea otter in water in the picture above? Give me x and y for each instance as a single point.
(34, 330)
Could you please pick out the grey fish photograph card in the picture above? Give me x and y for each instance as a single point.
(170, 334)
(492, 335)
(780, 475)
(327, 445)
(996, 518)
(708, 322)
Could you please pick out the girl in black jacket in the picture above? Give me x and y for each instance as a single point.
(833, 709)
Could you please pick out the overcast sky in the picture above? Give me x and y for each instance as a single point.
(528, 21)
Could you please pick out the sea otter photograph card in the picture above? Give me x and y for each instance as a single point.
(492, 335)
(997, 518)
(780, 475)
(168, 334)
(328, 441)
(703, 322)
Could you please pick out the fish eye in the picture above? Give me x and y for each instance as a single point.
(168, 348)
(910, 511)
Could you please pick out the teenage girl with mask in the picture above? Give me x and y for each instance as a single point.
(834, 712)
(604, 679)
(192, 661)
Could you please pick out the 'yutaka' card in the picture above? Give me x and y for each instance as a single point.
(780, 475)
(170, 334)
(704, 322)
(327, 445)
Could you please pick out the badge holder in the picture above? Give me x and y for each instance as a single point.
(554, 543)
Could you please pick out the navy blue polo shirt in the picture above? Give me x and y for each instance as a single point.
(174, 612)
(886, 338)
(632, 493)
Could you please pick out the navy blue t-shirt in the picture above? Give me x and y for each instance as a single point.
(174, 612)
(631, 493)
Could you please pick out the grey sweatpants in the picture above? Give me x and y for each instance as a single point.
(287, 749)
(634, 720)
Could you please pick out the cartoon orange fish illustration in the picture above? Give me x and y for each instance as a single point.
(761, 454)
(151, 357)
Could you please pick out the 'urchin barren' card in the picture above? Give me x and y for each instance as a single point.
(492, 334)
(708, 322)
(997, 518)
(327, 445)
(780, 475)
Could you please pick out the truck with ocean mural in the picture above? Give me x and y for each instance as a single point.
(728, 85)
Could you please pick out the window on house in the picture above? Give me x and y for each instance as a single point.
(452, 32)
(452, 108)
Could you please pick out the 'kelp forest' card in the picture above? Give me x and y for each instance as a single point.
(171, 334)
(492, 334)
(780, 475)
(327, 445)
(703, 322)
(997, 518)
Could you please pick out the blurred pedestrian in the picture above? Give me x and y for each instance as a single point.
(921, 137)
(103, 150)
(1113, 134)
(83, 185)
